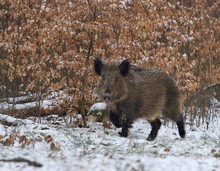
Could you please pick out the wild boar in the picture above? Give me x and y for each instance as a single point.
(131, 92)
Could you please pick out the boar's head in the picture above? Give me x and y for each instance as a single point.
(112, 86)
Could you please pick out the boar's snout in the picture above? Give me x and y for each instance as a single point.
(107, 97)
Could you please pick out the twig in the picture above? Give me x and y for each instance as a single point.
(84, 79)
(20, 160)
(208, 90)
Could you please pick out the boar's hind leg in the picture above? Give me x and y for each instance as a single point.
(155, 127)
(178, 118)
(181, 128)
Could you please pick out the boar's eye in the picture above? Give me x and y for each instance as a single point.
(116, 79)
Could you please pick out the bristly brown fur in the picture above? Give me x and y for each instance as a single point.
(132, 92)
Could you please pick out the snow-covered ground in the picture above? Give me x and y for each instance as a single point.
(51, 143)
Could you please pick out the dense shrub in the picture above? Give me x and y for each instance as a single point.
(49, 45)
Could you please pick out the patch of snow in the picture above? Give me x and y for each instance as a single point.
(43, 103)
(98, 106)
(96, 148)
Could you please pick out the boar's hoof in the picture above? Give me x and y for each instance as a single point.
(123, 134)
(150, 138)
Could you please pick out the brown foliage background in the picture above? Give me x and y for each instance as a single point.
(47, 46)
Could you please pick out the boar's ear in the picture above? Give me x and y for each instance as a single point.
(124, 67)
(98, 66)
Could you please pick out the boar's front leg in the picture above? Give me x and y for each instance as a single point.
(124, 131)
(114, 118)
